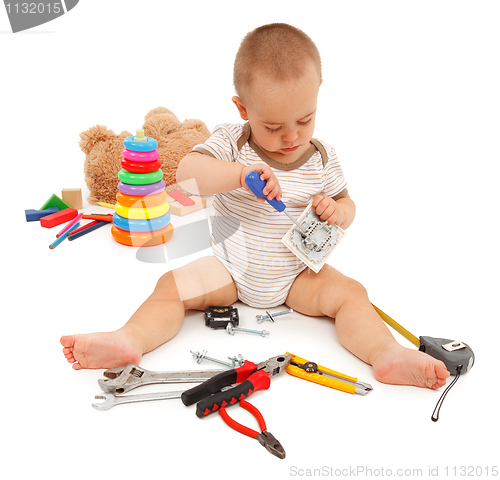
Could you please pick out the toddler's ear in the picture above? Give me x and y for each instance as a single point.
(241, 108)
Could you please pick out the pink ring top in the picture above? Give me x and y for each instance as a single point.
(141, 156)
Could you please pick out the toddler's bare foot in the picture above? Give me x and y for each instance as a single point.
(101, 350)
(403, 366)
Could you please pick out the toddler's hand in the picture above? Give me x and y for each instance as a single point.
(272, 188)
(328, 210)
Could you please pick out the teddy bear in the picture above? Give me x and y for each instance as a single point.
(103, 151)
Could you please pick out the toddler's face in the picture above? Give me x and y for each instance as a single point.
(282, 115)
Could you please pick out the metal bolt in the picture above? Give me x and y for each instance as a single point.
(232, 330)
(271, 317)
(203, 356)
(237, 361)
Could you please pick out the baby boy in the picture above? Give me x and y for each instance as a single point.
(277, 76)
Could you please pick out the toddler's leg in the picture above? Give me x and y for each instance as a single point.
(198, 285)
(361, 330)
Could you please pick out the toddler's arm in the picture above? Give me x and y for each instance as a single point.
(341, 212)
(216, 176)
(211, 174)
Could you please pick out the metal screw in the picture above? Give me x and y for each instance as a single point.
(237, 361)
(269, 316)
(232, 330)
(203, 356)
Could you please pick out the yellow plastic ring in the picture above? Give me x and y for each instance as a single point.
(142, 213)
(142, 239)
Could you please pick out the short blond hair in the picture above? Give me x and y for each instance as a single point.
(279, 51)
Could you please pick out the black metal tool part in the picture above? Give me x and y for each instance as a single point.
(220, 317)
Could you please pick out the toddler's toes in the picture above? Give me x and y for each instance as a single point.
(68, 353)
(441, 374)
(68, 342)
(434, 373)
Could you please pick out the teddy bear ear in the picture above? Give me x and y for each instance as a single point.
(157, 111)
(94, 135)
(160, 125)
(195, 124)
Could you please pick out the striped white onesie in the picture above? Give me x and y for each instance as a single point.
(246, 234)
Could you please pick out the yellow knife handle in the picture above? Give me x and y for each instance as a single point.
(320, 379)
(302, 361)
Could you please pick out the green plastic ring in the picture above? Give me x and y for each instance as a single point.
(140, 178)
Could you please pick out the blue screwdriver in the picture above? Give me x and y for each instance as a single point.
(256, 185)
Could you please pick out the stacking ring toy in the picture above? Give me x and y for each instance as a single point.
(140, 178)
(142, 239)
(140, 146)
(144, 201)
(141, 156)
(141, 167)
(141, 225)
(142, 189)
(142, 213)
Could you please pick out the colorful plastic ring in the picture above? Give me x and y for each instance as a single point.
(143, 201)
(142, 239)
(140, 167)
(140, 178)
(141, 225)
(130, 144)
(141, 156)
(141, 190)
(142, 213)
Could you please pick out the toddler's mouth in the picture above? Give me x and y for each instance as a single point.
(289, 150)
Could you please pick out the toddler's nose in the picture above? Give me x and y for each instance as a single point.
(290, 135)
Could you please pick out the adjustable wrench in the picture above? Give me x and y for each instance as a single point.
(123, 379)
(111, 400)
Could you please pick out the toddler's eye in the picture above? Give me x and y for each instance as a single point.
(269, 129)
(305, 123)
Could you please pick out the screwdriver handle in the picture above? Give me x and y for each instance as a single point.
(256, 185)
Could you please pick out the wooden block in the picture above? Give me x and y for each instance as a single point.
(35, 215)
(73, 197)
(59, 217)
(54, 201)
(176, 208)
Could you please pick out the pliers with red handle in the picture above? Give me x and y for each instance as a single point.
(249, 377)
(265, 438)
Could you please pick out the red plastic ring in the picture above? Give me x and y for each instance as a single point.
(141, 167)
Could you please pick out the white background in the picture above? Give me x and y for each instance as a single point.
(410, 100)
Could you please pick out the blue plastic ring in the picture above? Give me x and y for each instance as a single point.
(141, 225)
(149, 145)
